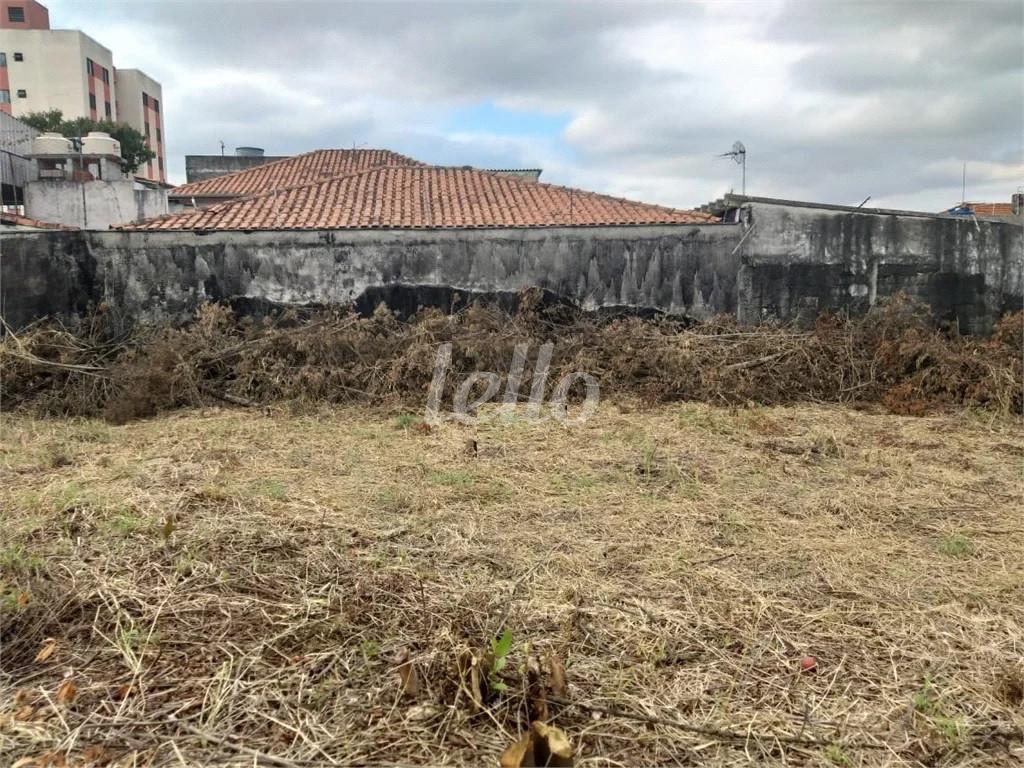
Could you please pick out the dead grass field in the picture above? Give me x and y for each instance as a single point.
(241, 587)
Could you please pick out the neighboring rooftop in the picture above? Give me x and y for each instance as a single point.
(17, 221)
(1012, 209)
(730, 202)
(411, 195)
(292, 171)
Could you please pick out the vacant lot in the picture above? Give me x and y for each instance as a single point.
(262, 587)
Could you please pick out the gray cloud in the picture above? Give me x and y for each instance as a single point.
(835, 101)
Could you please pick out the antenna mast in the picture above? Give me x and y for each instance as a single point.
(739, 155)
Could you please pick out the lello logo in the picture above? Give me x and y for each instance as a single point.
(465, 411)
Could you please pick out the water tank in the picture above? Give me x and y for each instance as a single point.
(51, 144)
(100, 143)
(249, 151)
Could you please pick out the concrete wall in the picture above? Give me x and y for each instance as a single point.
(164, 276)
(93, 204)
(200, 167)
(789, 265)
(799, 261)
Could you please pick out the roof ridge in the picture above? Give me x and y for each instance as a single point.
(291, 158)
(261, 166)
(281, 190)
(423, 167)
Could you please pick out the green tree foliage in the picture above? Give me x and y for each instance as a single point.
(134, 151)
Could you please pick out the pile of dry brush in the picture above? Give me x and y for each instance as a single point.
(892, 356)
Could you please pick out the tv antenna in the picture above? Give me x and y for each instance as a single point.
(738, 153)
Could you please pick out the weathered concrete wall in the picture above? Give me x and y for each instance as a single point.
(799, 261)
(200, 167)
(790, 264)
(93, 204)
(49, 273)
(164, 276)
(679, 269)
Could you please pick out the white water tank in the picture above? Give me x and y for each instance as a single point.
(51, 144)
(100, 143)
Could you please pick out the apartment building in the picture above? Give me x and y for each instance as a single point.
(43, 68)
(140, 104)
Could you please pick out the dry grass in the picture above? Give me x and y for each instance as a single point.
(893, 355)
(680, 561)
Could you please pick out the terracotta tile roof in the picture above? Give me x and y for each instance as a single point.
(17, 220)
(292, 171)
(425, 197)
(991, 209)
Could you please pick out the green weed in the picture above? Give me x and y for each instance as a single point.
(956, 545)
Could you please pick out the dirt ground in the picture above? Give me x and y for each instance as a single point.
(801, 585)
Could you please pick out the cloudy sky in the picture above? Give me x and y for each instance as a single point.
(834, 101)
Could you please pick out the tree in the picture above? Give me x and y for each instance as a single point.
(134, 151)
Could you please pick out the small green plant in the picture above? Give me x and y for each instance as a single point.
(370, 650)
(500, 649)
(455, 478)
(405, 420)
(837, 755)
(951, 728)
(274, 489)
(647, 461)
(956, 545)
(18, 560)
(126, 523)
(925, 700)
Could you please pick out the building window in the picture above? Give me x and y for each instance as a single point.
(145, 100)
(106, 108)
(88, 67)
(92, 101)
(160, 164)
(16, 14)
(22, 93)
(106, 75)
(18, 57)
(159, 138)
(5, 97)
(146, 127)
(3, 59)
(156, 105)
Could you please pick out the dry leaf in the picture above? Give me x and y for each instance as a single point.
(407, 672)
(543, 744)
(24, 762)
(23, 599)
(556, 671)
(46, 651)
(122, 692)
(25, 714)
(67, 692)
(52, 759)
(518, 754)
(96, 754)
(550, 745)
